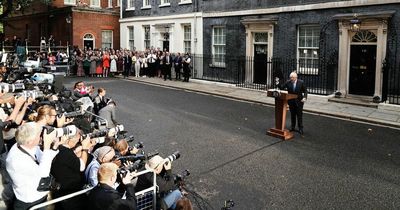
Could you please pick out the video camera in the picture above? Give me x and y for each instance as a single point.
(229, 204)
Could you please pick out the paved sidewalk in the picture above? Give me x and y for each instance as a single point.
(385, 114)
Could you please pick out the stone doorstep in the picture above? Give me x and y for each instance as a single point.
(354, 101)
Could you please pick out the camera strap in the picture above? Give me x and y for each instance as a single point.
(24, 151)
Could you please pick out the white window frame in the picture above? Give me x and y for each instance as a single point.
(91, 38)
(110, 3)
(165, 3)
(218, 63)
(149, 37)
(184, 2)
(118, 3)
(130, 5)
(69, 2)
(146, 4)
(94, 5)
(314, 50)
(187, 40)
(131, 37)
(102, 42)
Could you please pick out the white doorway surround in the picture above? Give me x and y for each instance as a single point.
(258, 27)
(373, 32)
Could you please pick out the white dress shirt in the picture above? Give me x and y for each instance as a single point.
(25, 173)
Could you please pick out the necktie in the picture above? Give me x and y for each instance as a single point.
(294, 87)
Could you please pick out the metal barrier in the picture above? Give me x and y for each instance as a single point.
(145, 199)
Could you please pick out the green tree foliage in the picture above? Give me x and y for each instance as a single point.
(9, 6)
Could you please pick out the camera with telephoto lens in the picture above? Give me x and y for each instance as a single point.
(35, 94)
(105, 132)
(174, 156)
(68, 131)
(136, 157)
(11, 88)
(179, 179)
(138, 160)
(130, 168)
(228, 204)
(138, 145)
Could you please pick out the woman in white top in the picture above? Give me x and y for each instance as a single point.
(113, 65)
(137, 64)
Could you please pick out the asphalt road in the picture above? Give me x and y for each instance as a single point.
(337, 165)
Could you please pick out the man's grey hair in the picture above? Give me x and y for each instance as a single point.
(27, 133)
(293, 74)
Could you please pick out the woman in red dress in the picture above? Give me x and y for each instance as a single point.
(106, 64)
(99, 67)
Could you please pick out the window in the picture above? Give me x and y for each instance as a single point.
(146, 4)
(165, 2)
(110, 3)
(95, 3)
(70, 2)
(118, 3)
(308, 49)
(146, 37)
(131, 38)
(187, 38)
(218, 46)
(131, 5)
(106, 39)
(185, 1)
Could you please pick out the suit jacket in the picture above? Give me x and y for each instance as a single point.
(108, 113)
(107, 198)
(300, 91)
(165, 61)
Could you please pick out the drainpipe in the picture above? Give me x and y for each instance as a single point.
(120, 8)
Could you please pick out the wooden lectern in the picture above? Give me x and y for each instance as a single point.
(281, 102)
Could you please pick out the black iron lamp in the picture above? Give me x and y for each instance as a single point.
(355, 24)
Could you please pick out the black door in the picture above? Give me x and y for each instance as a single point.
(362, 69)
(260, 63)
(88, 44)
(166, 45)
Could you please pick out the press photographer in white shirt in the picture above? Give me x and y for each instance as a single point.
(27, 164)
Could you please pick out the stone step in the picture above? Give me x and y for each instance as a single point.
(354, 101)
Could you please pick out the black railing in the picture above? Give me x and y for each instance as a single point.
(260, 73)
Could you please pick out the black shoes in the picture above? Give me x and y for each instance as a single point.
(301, 132)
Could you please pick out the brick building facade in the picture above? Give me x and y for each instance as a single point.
(90, 22)
(252, 41)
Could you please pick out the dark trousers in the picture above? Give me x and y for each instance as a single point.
(186, 74)
(151, 69)
(167, 72)
(296, 111)
(20, 205)
(177, 73)
(127, 71)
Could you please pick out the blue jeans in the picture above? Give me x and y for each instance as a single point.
(172, 198)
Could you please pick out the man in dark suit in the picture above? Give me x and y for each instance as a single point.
(178, 66)
(167, 66)
(296, 86)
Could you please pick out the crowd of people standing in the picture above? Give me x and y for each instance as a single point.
(149, 63)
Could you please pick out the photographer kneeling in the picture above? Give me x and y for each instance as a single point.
(168, 193)
(104, 196)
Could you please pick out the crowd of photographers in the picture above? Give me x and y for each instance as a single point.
(55, 143)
